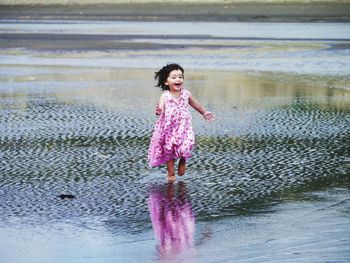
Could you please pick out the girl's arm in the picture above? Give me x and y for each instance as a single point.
(207, 115)
(160, 105)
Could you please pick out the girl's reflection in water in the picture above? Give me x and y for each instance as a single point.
(172, 218)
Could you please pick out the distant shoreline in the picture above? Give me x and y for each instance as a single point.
(220, 12)
(198, 2)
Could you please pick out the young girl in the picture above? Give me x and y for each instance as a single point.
(173, 136)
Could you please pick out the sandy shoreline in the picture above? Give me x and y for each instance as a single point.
(71, 42)
(242, 11)
(269, 179)
(214, 46)
(265, 185)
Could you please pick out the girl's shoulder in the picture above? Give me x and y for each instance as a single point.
(165, 94)
(186, 92)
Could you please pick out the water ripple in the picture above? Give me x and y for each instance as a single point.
(99, 155)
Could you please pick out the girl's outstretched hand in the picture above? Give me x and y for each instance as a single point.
(208, 116)
(158, 109)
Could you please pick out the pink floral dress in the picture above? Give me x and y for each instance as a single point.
(173, 136)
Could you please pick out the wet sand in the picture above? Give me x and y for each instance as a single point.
(314, 227)
(320, 52)
(333, 11)
(269, 179)
(268, 182)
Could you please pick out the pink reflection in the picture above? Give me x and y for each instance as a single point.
(172, 218)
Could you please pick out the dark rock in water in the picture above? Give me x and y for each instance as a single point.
(66, 196)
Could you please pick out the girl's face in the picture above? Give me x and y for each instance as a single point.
(175, 80)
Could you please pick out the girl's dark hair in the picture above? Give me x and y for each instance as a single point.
(162, 75)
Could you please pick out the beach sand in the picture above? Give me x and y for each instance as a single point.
(289, 11)
(268, 181)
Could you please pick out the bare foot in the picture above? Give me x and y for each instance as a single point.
(182, 167)
(171, 177)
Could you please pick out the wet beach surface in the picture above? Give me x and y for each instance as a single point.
(268, 181)
(219, 11)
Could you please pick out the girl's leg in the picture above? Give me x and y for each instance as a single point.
(170, 167)
(182, 167)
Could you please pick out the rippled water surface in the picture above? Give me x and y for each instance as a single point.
(276, 158)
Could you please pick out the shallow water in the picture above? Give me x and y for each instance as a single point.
(298, 48)
(275, 162)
